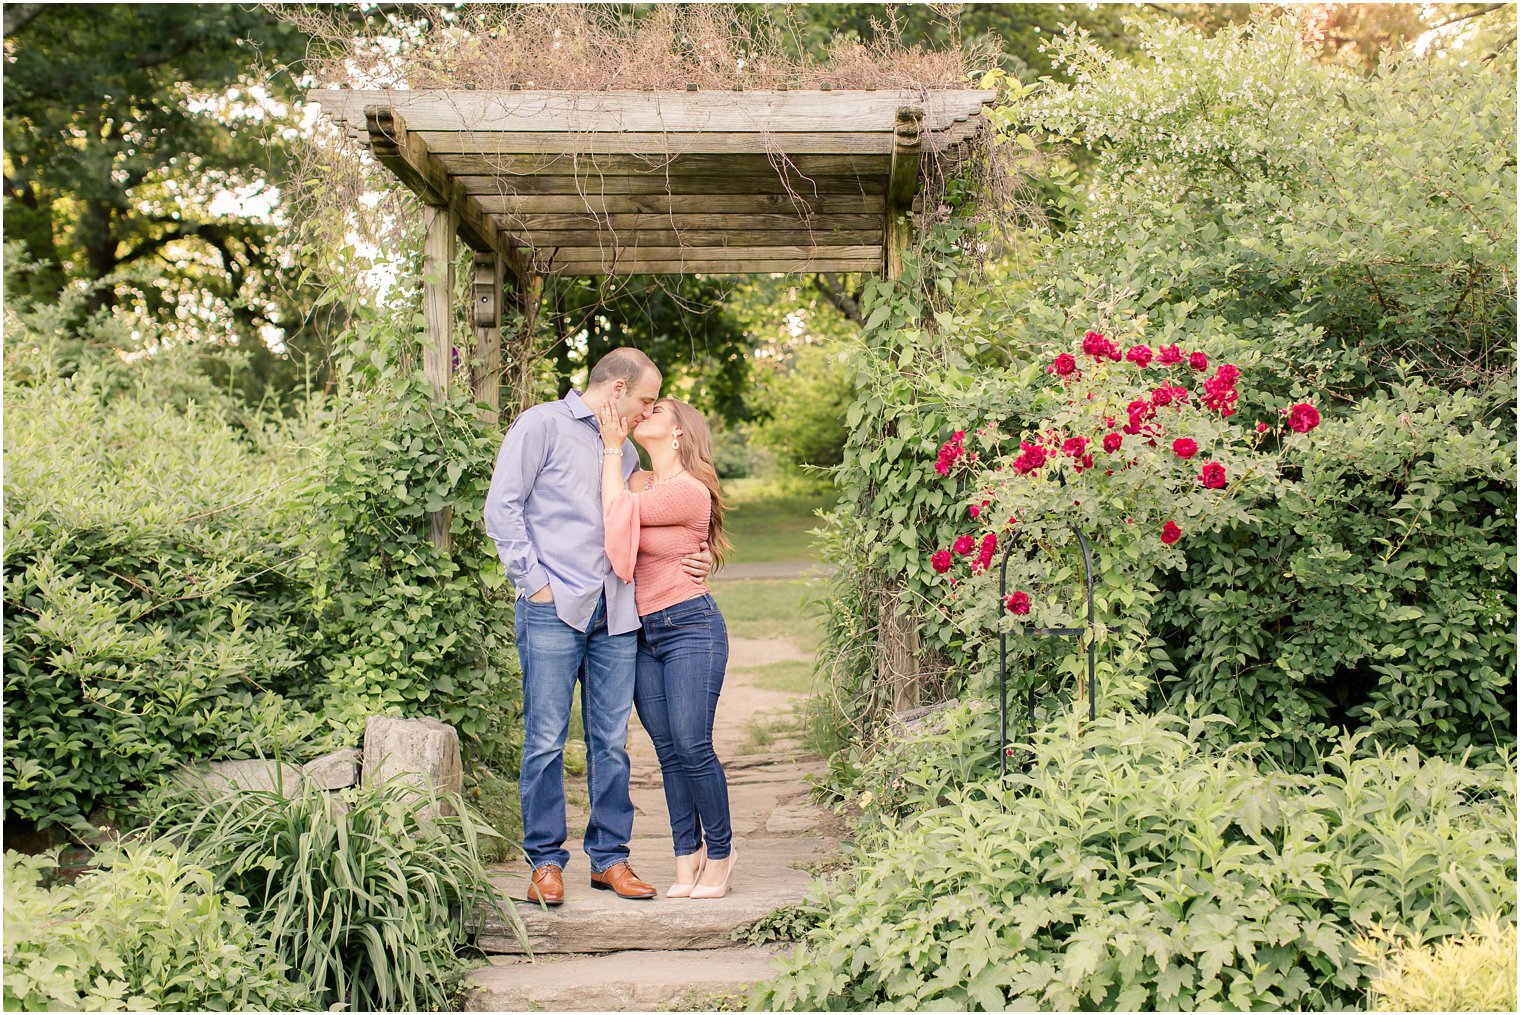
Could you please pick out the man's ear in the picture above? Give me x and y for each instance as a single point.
(619, 388)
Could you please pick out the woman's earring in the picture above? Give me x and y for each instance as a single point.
(676, 444)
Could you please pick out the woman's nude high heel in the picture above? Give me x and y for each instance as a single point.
(682, 889)
(716, 891)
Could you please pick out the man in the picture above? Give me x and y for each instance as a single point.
(575, 618)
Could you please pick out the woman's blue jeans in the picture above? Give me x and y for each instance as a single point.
(683, 653)
(554, 656)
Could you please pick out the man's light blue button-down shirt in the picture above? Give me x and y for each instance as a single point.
(544, 512)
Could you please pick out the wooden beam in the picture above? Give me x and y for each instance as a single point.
(751, 267)
(902, 184)
(660, 204)
(648, 184)
(406, 155)
(662, 112)
(660, 165)
(634, 239)
(565, 143)
(525, 225)
(611, 254)
(438, 353)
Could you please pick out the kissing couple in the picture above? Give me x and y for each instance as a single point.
(609, 563)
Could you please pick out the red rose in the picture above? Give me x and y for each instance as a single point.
(1261, 428)
(1213, 476)
(1074, 447)
(1184, 447)
(963, 545)
(1064, 364)
(1169, 354)
(1198, 361)
(1161, 396)
(1140, 355)
(941, 561)
(1229, 373)
(1018, 603)
(976, 510)
(1112, 442)
(1303, 417)
(1170, 533)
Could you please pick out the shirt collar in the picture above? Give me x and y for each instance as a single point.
(577, 407)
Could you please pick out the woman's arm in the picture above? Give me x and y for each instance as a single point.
(620, 509)
(614, 430)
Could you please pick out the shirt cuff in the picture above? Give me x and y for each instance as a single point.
(534, 581)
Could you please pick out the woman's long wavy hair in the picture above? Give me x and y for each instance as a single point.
(697, 458)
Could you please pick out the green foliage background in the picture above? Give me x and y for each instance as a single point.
(1255, 204)
(188, 579)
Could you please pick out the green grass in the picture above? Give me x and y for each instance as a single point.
(770, 609)
(792, 676)
(770, 520)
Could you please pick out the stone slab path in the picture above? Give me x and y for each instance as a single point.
(598, 952)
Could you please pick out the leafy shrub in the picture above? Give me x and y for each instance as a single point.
(1286, 243)
(1376, 590)
(155, 611)
(187, 580)
(1124, 868)
(364, 897)
(403, 626)
(1474, 972)
(148, 930)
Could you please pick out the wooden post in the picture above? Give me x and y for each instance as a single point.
(902, 182)
(898, 664)
(485, 363)
(438, 353)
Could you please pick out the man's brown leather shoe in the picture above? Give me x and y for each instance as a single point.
(620, 878)
(548, 885)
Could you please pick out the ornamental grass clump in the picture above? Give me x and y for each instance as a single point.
(1126, 868)
(366, 897)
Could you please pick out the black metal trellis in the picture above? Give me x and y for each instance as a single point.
(1058, 632)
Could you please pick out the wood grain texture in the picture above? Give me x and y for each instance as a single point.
(718, 112)
(660, 204)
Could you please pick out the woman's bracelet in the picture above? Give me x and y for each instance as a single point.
(611, 451)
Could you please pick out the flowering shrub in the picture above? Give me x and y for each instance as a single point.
(1137, 491)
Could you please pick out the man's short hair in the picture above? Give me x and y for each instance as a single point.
(624, 364)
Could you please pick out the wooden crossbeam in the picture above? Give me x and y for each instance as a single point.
(663, 204)
(719, 112)
(406, 155)
(660, 165)
(609, 255)
(543, 239)
(564, 143)
(770, 183)
(693, 267)
(523, 225)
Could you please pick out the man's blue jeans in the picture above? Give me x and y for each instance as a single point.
(683, 653)
(554, 655)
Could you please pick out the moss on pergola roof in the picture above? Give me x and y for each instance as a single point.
(668, 182)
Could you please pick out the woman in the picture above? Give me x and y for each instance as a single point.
(660, 517)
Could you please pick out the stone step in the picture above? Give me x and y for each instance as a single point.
(600, 921)
(623, 981)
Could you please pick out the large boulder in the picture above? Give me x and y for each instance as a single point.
(337, 770)
(251, 774)
(423, 753)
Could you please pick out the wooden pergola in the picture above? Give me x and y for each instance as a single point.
(576, 183)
